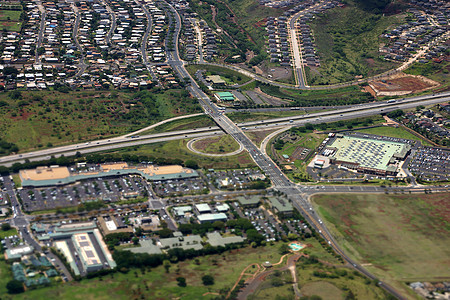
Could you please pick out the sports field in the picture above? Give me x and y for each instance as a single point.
(400, 238)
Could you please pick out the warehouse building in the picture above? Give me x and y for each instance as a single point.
(366, 155)
(56, 175)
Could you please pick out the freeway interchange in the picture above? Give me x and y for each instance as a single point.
(296, 193)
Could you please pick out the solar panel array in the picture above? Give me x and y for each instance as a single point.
(367, 153)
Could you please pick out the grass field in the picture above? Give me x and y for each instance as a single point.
(322, 289)
(178, 149)
(6, 233)
(44, 119)
(230, 76)
(9, 20)
(394, 132)
(402, 238)
(348, 40)
(343, 285)
(216, 145)
(188, 123)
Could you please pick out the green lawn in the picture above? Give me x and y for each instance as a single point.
(10, 15)
(6, 233)
(348, 41)
(9, 20)
(394, 132)
(49, 118)
(402, 238)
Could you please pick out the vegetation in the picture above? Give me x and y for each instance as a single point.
(342, 96)
(10, 20)
(230, 76)
(401, 237)
(217, 145)
(394, 132)
(433, 70)
(348, 40)
(45, 119)
(182, 124)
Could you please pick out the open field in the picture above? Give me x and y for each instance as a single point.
(401, 238)
(9, 20)
(230, 76)
(216, 145)
(178, 150)
(183, 124)
(322, 289)
(328, 281)
(43, 119)
(348, 40)
(394, 132)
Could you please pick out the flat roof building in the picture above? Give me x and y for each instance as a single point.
(202, 208)
(203, 218)
(368, 155)
(48, 176)
(224, 96)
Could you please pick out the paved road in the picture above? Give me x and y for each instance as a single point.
(279, 180)
(113, 23)
(82, 65)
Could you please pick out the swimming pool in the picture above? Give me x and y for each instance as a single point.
(295, 246)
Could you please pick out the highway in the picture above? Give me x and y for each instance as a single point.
(300, 120)
(279, 180)
(297, 194)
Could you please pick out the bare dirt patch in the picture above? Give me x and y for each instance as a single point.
(402, 84)
(258, 136)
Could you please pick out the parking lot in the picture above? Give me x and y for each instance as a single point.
(106, 189)
(180, 187)
(234, 179)
(431, 164)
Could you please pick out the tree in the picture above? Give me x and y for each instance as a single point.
(181, 281)
(166, 264)
(6, 226)
(15, 95)
(135, 240)
(284, 249)
(192, 164)
(208, 280)
(15, 287)
(277, 281)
